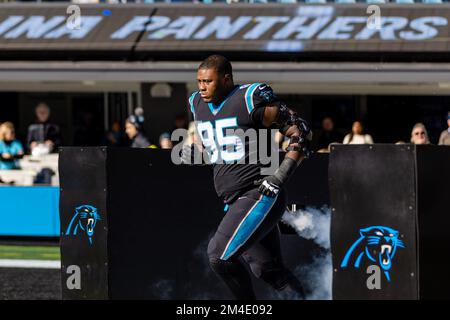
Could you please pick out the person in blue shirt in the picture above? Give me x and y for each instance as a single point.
(10, 148)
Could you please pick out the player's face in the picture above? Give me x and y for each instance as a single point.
(211, 84)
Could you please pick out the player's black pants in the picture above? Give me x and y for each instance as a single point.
(249, 231)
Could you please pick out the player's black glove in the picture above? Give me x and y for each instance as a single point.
(301, 143)
(269, 186)
(191, 154)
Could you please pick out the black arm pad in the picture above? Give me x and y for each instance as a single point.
(258, 116)
(286, 169)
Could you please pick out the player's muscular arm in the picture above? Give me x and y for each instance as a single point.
(270, 116)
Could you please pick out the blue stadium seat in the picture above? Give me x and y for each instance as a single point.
(376, 1)
(432, 1)
(345, 1)
(404, 1)
(287, 1)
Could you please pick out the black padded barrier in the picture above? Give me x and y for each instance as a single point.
(389, 221)
(156, 219)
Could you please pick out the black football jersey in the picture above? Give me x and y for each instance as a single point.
(234, 162)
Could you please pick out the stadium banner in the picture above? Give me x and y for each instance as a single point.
(182, 29)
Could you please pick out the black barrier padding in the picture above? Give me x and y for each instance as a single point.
(373, 186)
(161, 214)
(433, 168)
(160, 219)
(308, 185)
(82, 174)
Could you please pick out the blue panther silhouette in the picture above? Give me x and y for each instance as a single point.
(85, 219)
(379, 244)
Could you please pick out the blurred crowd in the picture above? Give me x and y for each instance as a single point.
(328, 135)
(44, 137)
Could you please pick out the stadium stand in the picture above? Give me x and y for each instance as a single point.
(30, 168)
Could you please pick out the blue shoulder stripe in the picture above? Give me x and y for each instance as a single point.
(249, 96)
(191, 102)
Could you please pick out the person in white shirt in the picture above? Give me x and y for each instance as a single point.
(357, 136)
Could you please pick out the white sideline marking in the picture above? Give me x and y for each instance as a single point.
(37, 264)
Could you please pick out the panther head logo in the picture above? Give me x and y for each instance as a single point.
(378, 244)
(84, 220)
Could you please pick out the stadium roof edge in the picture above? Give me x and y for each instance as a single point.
(184, 71)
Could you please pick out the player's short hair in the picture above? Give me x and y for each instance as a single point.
(218, 62)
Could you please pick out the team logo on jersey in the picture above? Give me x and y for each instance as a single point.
(83, 222)
(378, 244)
(266, 93)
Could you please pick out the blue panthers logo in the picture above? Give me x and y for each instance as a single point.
(378, 244)
(84, 221)
(266, 93)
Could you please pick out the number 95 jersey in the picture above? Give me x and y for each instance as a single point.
(234, 155)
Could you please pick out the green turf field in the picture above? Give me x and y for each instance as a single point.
(29, 252)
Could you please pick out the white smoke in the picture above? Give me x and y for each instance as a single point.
(311, 223)
(318, 277)
(314, 224)
(164, 289)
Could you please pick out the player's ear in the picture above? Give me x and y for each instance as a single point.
(227, 77)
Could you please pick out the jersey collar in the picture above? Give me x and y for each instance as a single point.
(215, 109)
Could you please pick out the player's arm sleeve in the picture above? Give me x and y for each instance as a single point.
(192, 102)
(193, 136)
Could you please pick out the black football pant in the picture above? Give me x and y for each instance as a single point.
(249, 233)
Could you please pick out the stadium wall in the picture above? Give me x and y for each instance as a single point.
(29, 211)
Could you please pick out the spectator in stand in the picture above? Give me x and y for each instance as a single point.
(357, 135)
(164, 141)
(114, 137)
(444, 139)
(10, 148)
(192, 136)
(180, 122)
(326, 135)
(419, 134)
(134, 126)
(43, 137)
